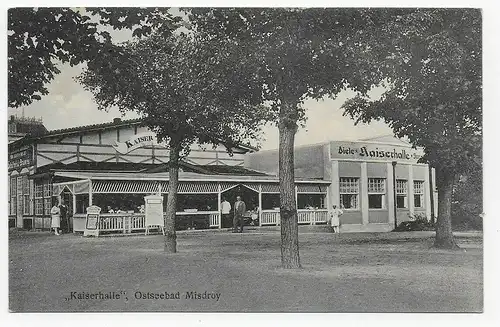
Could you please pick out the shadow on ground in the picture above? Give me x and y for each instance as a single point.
(385, 272)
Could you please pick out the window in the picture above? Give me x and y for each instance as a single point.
(38, 191)
(47, 190)
(39, 199)
(376, 193)
(13, 195)
(19, 195)
(47, 205)
(418, 194)
(26, 195)
(349, 192)
(38, 207)
(306, 201)
(401, 193)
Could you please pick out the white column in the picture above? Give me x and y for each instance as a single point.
(390, 193)
(219, 199)
(427, 193)
(90, 192)
(363, 187)
(333, 189)
(411, 203)
(74, 203)
(260, 205)
(434, 194)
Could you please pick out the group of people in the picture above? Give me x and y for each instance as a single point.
(240, 209)
(59, 218)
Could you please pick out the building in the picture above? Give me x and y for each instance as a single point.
(19, 127)
(115, 165)
(378, 181)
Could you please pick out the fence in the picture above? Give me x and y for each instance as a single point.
(305, 216)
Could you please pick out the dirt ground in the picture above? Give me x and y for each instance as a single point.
(224, 272)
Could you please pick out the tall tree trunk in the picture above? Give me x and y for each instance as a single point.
(444, 234)
(288, 209)
(173, 174)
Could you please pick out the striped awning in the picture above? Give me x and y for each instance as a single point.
(192, 187)
(270, 188)
(311, 188)
(104, 186)
(224, 186)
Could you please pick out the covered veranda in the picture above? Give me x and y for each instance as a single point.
(120, 196)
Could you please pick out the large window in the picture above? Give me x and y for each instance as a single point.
(376, 193)
(401, 193)
(349, 192)
(418, 194)
(308, 201)
(270, 201)
(114, 202)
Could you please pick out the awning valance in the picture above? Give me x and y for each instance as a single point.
(311, 188)
(103, 186)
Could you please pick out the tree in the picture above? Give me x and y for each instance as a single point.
(433, 73)
(39, 38)
(297, 54)
(467, 201)
(183, 92)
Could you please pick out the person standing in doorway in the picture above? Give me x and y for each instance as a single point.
(334, 218)
(55, 222)
(225, 208)
(239, 211)
(63, 210)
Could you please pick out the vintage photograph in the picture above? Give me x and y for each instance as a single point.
(278, 160)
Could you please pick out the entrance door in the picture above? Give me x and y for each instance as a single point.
(249, 196)
(67, 197)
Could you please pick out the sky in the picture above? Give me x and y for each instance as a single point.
(69, 105)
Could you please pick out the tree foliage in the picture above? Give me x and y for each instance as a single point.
(434, 94)
(184, 93)
(39, 38)
(297, 54)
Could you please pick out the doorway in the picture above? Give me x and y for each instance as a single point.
(249, 196)
(67, 197)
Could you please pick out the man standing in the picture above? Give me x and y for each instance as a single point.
(239, 210)
(225, 208)
(64, 217)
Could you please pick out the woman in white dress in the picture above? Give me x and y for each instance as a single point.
(334, 218)
(55, 214)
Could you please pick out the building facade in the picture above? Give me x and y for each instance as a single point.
(115, 165)
(378, 181)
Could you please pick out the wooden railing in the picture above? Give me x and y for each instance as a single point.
(214, 219)
(127, 223)
(269, 217)
(305, 216)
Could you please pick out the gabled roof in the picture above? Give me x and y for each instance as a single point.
(146, 168)
(94, 127)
